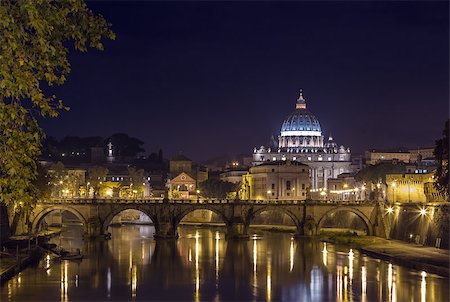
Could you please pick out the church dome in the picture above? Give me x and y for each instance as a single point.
(301, 122)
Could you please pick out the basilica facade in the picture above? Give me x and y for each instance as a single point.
(301, 140)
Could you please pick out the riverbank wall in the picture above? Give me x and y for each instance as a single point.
(424, 224)
(12, 265)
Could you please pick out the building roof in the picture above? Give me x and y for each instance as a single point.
(180, 157)
(282, 163)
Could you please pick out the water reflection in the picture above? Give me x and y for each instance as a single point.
(423, 287)
(363, 284)
(202, 266)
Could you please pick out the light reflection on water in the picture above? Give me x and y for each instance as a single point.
(202, 266)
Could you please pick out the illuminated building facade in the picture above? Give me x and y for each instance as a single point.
(412, 187)
(287, 180)
(301, 140)
(182, 186)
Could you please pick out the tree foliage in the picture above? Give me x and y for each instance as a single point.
(213, 188)
(136, 179)
(125, 145)
(34, 40)
(96, 178)
(377, 173)
(42, 183)
(442, 156)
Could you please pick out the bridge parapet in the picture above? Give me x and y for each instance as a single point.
(200, 201)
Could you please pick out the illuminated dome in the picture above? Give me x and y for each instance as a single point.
(301, 129)
(301, 122)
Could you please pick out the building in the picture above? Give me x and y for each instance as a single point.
(374, 157)
(412, 187)
(424, 155)
(301, 140)
(182, 186)
(233, 175)
(287, 180)
(179, 164)
(344, 188)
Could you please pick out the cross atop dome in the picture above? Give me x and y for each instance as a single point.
(301, 102)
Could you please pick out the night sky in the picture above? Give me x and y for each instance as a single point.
(206, 78)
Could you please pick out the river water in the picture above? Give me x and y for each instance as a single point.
(202, 266)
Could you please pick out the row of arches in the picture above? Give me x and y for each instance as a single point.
(338, 218)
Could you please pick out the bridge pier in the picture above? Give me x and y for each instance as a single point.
(237, 229)
(94, 228)
(308, 228)
(165, 230)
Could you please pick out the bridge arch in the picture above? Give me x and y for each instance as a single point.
(116, 212)
(41, 215)
(295, 219)
(357, 212)
(185, 212)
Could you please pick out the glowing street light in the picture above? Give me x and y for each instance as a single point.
(423, 211)
(390, 210)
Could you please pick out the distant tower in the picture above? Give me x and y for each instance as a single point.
(110, 157)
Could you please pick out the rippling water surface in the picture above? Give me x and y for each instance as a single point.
(202, 265)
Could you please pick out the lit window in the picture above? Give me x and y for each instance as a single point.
(329, 158)
(309, 157)
(320, 158)
(294, 158)
(274, 158)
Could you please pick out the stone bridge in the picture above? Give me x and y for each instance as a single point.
(308, 216)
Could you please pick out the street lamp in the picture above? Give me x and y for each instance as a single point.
(423, 211)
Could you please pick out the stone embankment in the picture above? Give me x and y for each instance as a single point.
(19, 252)
(12, 264)
(425, 258)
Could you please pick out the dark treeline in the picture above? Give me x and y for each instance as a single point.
(75, 149)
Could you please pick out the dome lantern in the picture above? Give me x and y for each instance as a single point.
(301, 102)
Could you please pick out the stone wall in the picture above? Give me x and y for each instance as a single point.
(429, 227)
